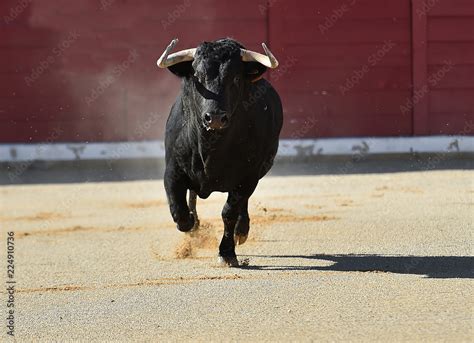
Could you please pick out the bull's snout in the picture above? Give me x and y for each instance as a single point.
(216, 120)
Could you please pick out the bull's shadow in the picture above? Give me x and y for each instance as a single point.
(428, 266)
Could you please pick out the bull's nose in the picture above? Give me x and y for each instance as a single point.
(216, 120)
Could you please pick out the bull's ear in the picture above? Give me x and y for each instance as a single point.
(183, 69)
(254, 70)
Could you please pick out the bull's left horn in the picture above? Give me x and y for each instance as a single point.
(267, 60)
(166, 60)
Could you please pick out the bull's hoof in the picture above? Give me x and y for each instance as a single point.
(227, 261)
(241, 230)
(186, 225)
(240, 238)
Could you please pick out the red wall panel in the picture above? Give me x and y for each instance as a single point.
(352, 69)
(450, 66)
(89, 69)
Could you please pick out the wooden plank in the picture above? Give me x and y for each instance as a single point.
(317, 11)
(362, 31)
(459, 77)
(452, 100)
(207, 10)
(451, 29)
(340, 126)
(420, 68)
(456, 52)
(456, 8)
(344, 55)
(334, 80)
(95, 130)
(353, 105)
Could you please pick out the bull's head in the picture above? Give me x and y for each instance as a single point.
(217, 74)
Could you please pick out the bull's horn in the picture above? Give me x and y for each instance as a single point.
(166, 60)
(267, 60)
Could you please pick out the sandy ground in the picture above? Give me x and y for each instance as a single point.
(375, 257)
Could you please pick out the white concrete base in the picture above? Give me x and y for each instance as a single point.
(288, 147)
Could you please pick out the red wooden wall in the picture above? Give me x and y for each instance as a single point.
(85, 70)
(450, 61)
(348, 46)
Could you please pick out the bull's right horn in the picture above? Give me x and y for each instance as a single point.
(268, 60)
(166, 60)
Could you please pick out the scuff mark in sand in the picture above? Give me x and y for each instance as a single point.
(313, 206)
(146, 204)
(75, 229)
(345, 202)
(146, 282)
(37, 217)
(286, 218)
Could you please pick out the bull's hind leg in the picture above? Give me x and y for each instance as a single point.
(242, 227)
(192, 198)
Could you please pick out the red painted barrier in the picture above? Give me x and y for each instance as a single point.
(347, 67)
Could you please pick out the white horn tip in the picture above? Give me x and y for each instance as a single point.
(173, 43)
(270, 56)
(160, 62)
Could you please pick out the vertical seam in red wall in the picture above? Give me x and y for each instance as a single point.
(420, 91)
(267, 22)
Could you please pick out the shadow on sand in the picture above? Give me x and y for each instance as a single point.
(429, 266)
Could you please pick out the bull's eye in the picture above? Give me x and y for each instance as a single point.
(236, 79)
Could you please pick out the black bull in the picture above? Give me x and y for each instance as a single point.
(221, 135)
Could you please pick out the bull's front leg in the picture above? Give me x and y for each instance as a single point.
(230, 214)
(234, 208)
(175, 186)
